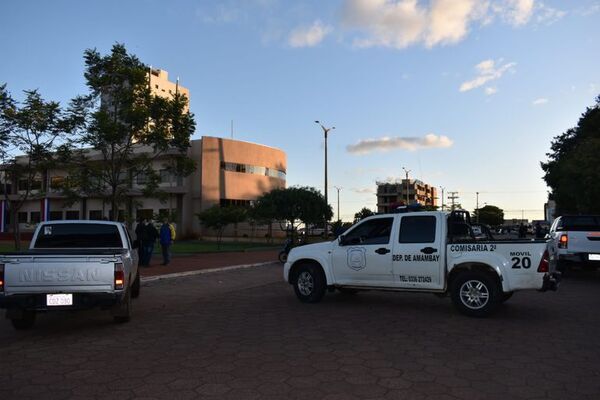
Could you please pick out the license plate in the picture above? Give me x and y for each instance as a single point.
(594, 257)
(59, 299)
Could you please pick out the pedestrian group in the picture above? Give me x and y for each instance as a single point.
(147, 234)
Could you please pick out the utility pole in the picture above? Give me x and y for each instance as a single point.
(477, 205)
(406, 171)
(325, 132)
(453, 196)
(441, 187)
(338, 200)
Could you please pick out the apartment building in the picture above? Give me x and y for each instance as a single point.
(393, 194)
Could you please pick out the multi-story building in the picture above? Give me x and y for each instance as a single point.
(161, 86)
(228, 172)
(393, 194)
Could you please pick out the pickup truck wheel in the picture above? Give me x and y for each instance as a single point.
(310, 284)
(25, 321)
(475, 293)
(122, 311)
(135, 287)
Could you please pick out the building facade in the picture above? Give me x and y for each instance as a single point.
(393, 194)
(228, 172)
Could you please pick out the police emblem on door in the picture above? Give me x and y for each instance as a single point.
(357, 259)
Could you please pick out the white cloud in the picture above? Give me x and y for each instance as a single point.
(309, 36)
(403, 23)
(490, 90)
(387, 143)
(363, 190)
(487, 71)
(540, 101)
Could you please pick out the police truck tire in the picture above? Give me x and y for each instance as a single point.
(24, 321)
(310, 283)
(475, 293)
(135, 287)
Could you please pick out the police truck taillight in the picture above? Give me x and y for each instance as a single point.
(119, 276)
(563, 242)
(544, 263)
(1, 277)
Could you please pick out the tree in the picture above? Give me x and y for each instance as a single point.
(34, 128)
(293, 206)
(490, 215)
(217, 218)
(126, 129)
(362, 214)
(572, 171)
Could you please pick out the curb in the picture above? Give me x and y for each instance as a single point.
(203, 271)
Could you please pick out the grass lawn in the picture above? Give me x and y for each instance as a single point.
(196, 246)
(184, 247)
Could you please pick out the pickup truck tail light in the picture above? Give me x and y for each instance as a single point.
(544, 263)
(119, 276)
(563, 242)
(1, 278)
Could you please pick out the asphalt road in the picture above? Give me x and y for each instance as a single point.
(243, 335)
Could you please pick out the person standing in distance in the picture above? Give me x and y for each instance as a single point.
(167, 235)
(149, 236)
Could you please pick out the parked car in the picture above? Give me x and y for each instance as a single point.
(575, 240)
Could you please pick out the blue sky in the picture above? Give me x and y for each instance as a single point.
(466, 94)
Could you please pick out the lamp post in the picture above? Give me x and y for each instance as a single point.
(338, 188)
(406, 171)
(477, 205)
(441, 187)
(325, 132)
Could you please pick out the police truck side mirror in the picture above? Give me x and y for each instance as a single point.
(342, 240)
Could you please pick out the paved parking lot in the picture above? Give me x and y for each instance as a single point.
(243, 335)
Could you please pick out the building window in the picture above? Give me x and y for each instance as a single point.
(156, 86)
(235, 203)
(55, 216)
(96, 215)
(253, 169)
(145, 213)
(22, 217)
(35, 185)
(72, 214)
(141, 178)
(166, 176)
(35, 217)
(57, 182)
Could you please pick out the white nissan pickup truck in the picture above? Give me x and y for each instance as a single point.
(430, 251)
(71, 265)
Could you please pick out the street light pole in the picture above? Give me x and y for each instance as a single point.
(338, 200)
(477, 205)
(406, 171)
(325, 132)
(441, 187)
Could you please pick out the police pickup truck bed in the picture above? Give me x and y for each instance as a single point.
(70, 265)
(423, 252)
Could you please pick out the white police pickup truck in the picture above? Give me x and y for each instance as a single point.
(70, 265)
(429, 251)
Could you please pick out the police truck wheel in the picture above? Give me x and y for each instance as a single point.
(475, 293)
(310, 283)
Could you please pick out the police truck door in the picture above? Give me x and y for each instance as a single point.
(418, 259)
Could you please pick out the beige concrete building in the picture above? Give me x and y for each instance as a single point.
(394, 194)
(228, 172)
(161, 86)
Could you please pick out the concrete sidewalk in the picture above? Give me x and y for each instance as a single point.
(204, 261)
